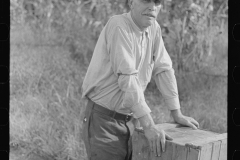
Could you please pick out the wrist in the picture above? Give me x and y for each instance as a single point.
(176, 113)
(146, 122)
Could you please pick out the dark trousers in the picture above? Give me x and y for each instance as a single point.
(106, 138)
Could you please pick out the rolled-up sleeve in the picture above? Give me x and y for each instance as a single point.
(164, 74)
(123, 63)
(167, 85)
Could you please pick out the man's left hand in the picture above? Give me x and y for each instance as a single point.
(184, 120)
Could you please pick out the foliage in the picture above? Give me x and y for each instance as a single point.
(189, 28)
(70, 20)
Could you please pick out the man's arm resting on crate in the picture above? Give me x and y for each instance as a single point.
(167, 85)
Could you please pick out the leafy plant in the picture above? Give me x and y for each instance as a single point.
(189, 28)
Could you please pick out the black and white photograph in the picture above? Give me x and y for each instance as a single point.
(118, 80)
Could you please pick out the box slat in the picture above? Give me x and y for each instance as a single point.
(206, 152)
(167, 155)
(179, 152)
(223, 150)
(139, 151)
(216, 150)
(193, 154)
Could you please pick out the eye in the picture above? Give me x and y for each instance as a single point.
(146, 1)
(158, 2)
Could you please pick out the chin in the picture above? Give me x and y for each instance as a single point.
(149, 24)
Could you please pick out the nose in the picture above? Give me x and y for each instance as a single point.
(152, 6)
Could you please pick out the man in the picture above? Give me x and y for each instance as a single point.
(129, 51)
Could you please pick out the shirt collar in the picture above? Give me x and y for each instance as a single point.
(136, 28)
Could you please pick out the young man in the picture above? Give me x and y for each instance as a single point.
(129, 51)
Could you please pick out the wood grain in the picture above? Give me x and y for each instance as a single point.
(206, 152)
(193, 154)
(216, 150)
(223, 150)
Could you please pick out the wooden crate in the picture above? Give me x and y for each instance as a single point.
(187, 144)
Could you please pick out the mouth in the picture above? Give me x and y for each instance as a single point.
(149, 15)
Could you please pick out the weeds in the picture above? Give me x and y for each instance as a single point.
(45, 102)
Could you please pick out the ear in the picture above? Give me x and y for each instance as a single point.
(130, 4)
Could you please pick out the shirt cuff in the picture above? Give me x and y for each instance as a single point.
(172, 103)
(141, 109)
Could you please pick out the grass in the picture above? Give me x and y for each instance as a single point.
(46, 108)
(207, 106)
(45, 100)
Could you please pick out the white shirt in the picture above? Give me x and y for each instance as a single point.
(124, 60)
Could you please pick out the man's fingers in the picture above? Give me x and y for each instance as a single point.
(195, 123)
(158, 147)
(155, 147)
(163, 142)
(168, 137)
(191, 125)
(151, 146)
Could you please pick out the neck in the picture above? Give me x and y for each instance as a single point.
(142, 29)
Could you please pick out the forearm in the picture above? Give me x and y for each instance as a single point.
(176, 113)
(167, 85)
(133, 95)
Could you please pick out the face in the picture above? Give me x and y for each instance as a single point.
(144, 12)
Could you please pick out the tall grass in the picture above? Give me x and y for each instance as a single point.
(45, 100)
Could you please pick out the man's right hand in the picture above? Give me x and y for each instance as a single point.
(156, 138)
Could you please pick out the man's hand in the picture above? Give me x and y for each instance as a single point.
(184, 120)
(156, 138)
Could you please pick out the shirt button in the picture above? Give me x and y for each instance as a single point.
(85, 119)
